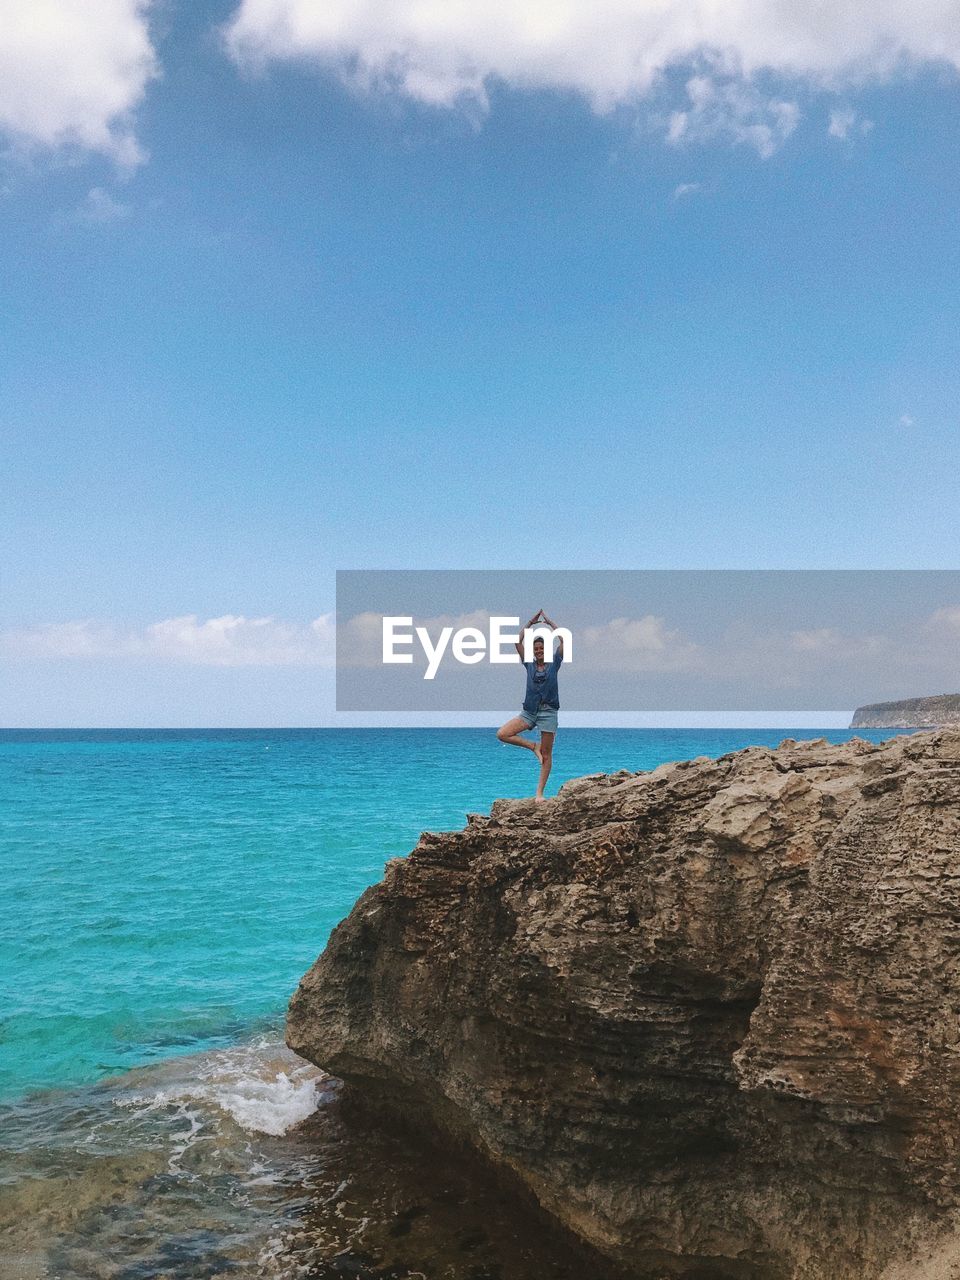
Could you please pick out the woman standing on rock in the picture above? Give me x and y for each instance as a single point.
(540, 704)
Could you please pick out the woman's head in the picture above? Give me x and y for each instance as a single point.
(538, 649)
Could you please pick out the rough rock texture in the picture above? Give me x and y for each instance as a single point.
(708, 1014)
(943, 710)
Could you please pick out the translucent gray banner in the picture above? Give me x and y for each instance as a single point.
(649, 640)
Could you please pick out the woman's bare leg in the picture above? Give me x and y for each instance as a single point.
(546, 762)
(510, 732)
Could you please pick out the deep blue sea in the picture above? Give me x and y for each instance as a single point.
(164, 891)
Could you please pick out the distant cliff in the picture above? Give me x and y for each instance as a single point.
(912, 713)
(708, 1015)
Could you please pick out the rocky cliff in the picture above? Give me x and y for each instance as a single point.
(912, 713)
(708, 1015)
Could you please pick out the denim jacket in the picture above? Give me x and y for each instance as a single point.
(542, 685)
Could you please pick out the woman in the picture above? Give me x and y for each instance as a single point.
(540, 704)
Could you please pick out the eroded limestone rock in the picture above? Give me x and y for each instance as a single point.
(709, 1015)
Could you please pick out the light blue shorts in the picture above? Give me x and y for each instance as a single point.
(545, 720)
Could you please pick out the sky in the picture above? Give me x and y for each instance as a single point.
(287, 288)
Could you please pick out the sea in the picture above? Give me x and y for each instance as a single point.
(163, 892)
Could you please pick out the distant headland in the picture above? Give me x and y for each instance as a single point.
(941, 710)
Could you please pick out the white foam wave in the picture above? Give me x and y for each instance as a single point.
(270, 1106)
(262, 1087)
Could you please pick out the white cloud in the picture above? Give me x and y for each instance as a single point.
(638, 644)
(947, 619)
(80, 639)
(843, 120)
(228, 641)
(612, 52)
(100, 206)
(833, 643)
(72, 73)
(816, 640)
(906, 420)
(98, 209)
(732, 109)
(685, 189)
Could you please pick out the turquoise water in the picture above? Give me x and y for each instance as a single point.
(166, 889)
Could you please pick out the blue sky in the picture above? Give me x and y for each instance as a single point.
(269, 318)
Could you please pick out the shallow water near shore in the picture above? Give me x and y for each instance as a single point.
(243, 1162)
(170, 889)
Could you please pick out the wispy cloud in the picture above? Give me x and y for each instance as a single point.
(685, 189)
(753, 62)
(648, 645)
(844, 121)
(947, 619)
(733, 109)
(98, 209)
(830, 642)
(817, 640)
(841, 121)
(230, 640)
(72, 74)
(645, 644)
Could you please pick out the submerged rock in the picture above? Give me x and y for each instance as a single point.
(708, 1015)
